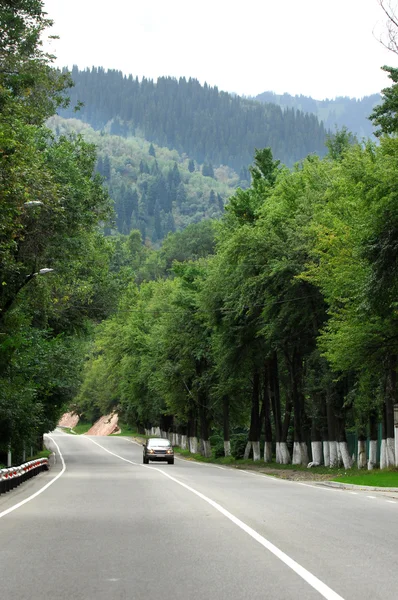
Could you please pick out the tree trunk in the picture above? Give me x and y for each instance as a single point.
(267, 419)
(300, 452)
(333, 452)
(273, 383)
(254, 432)
(227, 443)
(390, 399)
(372, 462)
(361, 461)
(191, 429)
(204, 424)
(316, 445)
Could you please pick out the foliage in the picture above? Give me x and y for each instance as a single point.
(155, 194)
(200, 121)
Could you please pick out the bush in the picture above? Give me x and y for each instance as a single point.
(238, 444)
(217, 445)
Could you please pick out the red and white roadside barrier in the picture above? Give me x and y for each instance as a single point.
(11, 477)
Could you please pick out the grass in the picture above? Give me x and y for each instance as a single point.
(42, 454)
(79, 429)
(375, 478)
(127, 430)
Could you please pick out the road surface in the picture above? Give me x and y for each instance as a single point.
(101, 525)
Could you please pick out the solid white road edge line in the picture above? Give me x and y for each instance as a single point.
(308, 577)
(12, 508)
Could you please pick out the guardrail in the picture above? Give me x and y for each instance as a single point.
(11, 477)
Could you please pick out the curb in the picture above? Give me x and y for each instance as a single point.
(353, 486)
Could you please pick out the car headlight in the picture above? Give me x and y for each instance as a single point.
(169, 451)
(151, 451)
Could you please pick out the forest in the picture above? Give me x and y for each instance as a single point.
(335, 113)
(154, 189)
(206, 124)
(267, 329)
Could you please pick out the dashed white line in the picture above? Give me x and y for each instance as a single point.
(372, 497)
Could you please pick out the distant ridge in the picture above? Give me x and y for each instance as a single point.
(342, 111)
(206, 124)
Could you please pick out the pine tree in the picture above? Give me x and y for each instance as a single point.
(207, 170)
(151, 151)
(191, 166)
(176, 175)
(181, 196)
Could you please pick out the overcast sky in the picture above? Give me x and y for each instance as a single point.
(319, 48)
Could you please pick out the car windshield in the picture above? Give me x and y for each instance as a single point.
(162, 443)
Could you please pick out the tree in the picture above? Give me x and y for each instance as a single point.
(151, 151)
(207, 170)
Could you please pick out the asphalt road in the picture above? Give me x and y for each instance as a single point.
(101, 525)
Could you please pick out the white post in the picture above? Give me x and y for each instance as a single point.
(9, 457)
(396, 444)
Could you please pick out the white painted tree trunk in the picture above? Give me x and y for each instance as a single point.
(278, 457)
(345, 455)
(256, 451)
(300, 454)
(361, 461)
(178, 440)
(285, 454)
(156, 431)
(339, 457)
(296, 460)
(333, 455)
(268, 452)
(206, 448)
(316, 450)
(247, 450)
(383, 455)
(372, 462)
(326, 454)
(227, 448)
(193, 445)
(184, 444)
(390, 448)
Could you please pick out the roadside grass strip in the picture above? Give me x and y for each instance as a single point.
(375, 478)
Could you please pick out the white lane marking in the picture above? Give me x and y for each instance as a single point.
(12, 508)
(372, 497)
(391, 501)
(354, 493)
(308, 577)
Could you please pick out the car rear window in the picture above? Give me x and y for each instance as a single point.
(159, 442)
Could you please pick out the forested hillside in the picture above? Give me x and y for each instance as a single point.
(155, 190)
(200, 121)
(341, 112)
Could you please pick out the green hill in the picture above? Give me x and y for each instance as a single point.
(155, 190)
(340, 112)
(199, 121)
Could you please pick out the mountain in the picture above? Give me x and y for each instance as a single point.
(340, 112)
(199, 121)
(154, 189)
